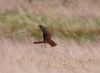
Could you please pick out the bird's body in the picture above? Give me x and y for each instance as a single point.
(46, 37)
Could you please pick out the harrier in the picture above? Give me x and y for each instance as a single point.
(46, 37)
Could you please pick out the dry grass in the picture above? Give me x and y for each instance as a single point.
(67, 57)
(53, 8)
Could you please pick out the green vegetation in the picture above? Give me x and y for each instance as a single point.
(22, 26)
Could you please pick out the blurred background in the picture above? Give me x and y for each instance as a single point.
(74, 25)
(78, 19)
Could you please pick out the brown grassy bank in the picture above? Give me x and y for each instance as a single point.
(53, 8)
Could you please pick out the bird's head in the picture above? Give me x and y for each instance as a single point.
(40, 26)
(52, 43)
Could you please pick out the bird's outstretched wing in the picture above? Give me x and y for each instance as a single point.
(46, 33)
(38, 42)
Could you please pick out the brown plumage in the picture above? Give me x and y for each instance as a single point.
(46, 37)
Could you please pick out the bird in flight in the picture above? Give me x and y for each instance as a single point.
(46, 37)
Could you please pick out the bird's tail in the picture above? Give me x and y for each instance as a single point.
(52, 43)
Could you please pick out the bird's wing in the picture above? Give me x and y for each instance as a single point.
(46, 33)
(38, 42)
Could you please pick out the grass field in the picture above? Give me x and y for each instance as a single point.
(70, 19)
(17, 25)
